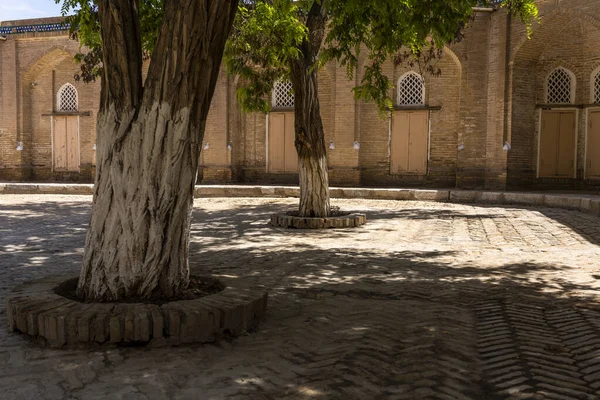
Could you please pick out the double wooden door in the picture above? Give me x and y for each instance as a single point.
(557, 144)
(282, 150)
(409, 142)
(65, 141)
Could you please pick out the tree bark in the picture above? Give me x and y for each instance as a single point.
(310, 137)
(148, 141)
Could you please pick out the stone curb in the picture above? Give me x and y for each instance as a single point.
(589, 204)
(283, 220)
(34, 309)
(46, 188)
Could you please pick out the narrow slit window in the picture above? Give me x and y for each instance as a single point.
(67, 98)
(411, 90)
(560, 87)
(283, 95)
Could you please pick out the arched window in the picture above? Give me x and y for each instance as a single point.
(411, 90)
(67, 98)
(283, 96)
(596, 86)
(560, 87)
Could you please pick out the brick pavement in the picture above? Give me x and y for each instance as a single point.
(428, 300)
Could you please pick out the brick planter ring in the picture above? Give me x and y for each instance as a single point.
(36, 310)
(284, 220)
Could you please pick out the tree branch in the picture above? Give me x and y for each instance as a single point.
(122, 54)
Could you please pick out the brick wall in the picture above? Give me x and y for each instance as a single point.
(35, 66)
(485, 96)
(568, 37)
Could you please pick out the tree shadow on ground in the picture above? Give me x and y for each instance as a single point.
(384, 320)
(307, 268)
(41, 238)
(344, 320)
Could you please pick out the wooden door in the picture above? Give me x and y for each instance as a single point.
(72, 144)
(417, 142)
(399, 145)
(290, 153)
(282, 151)
(593, 146)
(410, 133)
(566, 145)
(557, 144)
(65, 144)
(276, 142)
(59, 141)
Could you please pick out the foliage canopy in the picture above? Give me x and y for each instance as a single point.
(267, 36)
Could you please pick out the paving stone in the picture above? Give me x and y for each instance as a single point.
(432, 195)
(566, 202)
(590, 206)
(463, 196)
(528, 199)
(429, 299)
(485, 197)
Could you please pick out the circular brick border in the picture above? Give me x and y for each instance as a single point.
(284, 220)
(36, 310)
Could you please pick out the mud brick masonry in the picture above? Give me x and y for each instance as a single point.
(506, 112)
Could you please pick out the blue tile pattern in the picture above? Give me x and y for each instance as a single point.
(8, 30)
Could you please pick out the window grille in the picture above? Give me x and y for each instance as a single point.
(411, 90)
(283, 96)
(67, 98)
(597, 88)
(560, 87)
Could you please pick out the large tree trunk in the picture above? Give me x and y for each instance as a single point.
(149, 142)
(310, 137)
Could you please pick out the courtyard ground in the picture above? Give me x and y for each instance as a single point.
(426, 301)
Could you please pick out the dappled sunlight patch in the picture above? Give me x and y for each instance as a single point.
(15, 247)
(307, 391)
(38, 260)
(249, 381)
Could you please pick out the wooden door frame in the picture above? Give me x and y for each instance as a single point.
(540, 130)
(586, 139)
(391, 131)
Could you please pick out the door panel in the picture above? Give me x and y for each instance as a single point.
(72, 144)
(291, 155)
(593, 146)
(276, 142)
(566, 145)
(417, 146)
(60, 144)
(549, 144)
(399, 145)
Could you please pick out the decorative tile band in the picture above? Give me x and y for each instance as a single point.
(9, 30)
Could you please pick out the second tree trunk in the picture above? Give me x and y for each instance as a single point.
(310, 137)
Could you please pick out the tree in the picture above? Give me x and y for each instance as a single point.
(148, 138)
(290, 39)
(149, 135)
